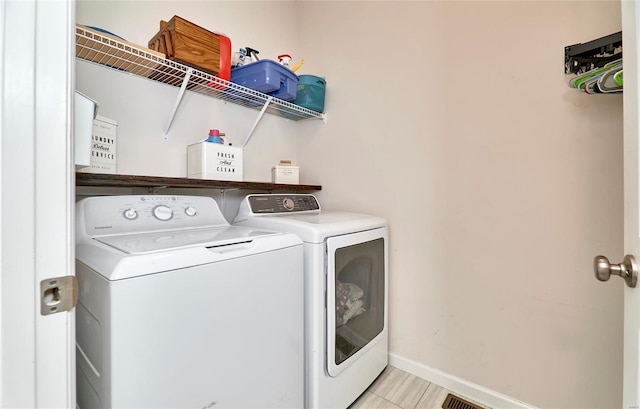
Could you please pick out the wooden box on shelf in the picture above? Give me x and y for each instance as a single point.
(182, 41)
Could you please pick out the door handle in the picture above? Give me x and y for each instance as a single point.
(628, 269)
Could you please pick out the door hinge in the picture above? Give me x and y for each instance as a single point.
(58, 294)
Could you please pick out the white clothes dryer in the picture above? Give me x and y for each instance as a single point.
(179, 309)
(345, 282)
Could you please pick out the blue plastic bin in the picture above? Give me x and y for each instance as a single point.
(268, 77)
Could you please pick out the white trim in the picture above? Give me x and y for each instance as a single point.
(17, 253)
(53, 183)
(3, 369)
(457, 385)
(37, 352)
(631, 96)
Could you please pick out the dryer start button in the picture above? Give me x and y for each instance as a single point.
(162, 212)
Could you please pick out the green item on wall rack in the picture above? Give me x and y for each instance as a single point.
(580, 80)
(618, 77)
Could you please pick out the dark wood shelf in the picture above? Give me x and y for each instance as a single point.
(110, 180)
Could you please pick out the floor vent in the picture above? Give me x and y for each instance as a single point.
(454, 402)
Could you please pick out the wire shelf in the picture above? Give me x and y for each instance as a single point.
(117, 54)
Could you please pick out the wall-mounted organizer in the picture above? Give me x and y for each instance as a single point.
(583, 57)
(118, 54)
(597, 65)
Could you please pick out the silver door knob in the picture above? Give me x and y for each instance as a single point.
(628, 269)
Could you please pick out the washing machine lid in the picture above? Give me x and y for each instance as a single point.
(143, 243)
(138, 255)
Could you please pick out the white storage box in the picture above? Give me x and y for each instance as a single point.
(215, 161)
(285, 173)
(103, 146)
(85, 111)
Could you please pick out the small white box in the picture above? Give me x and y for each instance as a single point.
(285, 174)
(103, 146)
(215, 161)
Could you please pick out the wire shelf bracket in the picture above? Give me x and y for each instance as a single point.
(183, 88)
(255, 124)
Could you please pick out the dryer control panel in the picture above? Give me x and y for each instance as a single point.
(274, 204)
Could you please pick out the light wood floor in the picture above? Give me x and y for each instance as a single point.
(396, 389)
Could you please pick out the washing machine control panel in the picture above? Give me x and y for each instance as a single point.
(274, 204)
(131, 214)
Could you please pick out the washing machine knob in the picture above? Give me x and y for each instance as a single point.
(162, 212)
(190, 211)
(130, 214)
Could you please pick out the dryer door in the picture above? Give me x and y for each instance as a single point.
(356, 296)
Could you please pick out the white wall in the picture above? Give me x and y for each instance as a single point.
(453, 120)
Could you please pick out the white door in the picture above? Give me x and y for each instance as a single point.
(630, 23)
(37, 366)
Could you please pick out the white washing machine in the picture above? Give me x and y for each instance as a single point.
(179, 309)
(346, 264)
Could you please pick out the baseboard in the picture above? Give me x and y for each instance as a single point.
(457, 385)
